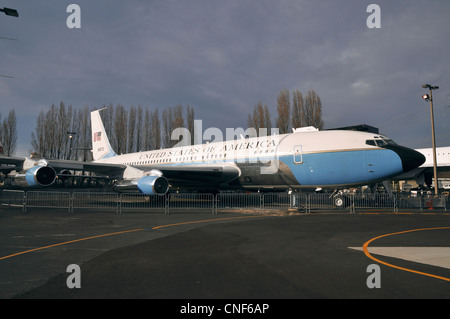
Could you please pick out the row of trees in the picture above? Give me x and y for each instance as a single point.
(8, 133)
(54, 134)
(305, 111)
(65, 133)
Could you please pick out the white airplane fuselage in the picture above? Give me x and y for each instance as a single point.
(298, 160)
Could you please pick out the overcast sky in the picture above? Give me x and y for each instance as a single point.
(222, 57)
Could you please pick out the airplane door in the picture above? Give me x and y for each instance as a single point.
(298, 157)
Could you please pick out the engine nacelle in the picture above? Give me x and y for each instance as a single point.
(36, 176)
(147, 185)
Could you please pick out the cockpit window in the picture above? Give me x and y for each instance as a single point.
(380, 142)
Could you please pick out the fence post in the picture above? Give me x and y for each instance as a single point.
(215, 202)
(352, 204)
(395, 204)
(71, 203)
(166, 204)
(119, 205)
(25, 201)
(261, 204)
(308, 206)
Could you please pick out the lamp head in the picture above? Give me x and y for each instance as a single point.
(10, 12)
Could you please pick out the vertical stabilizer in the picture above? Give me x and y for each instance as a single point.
(100, 143)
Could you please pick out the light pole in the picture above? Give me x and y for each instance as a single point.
(429, 97)
(71, 136)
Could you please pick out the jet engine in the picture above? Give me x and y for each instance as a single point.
(147, 185)
(39, 175)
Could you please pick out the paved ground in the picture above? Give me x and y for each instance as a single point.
(272, 257)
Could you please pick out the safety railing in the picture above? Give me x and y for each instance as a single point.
(262, 203)
(133, 202)
(12, 198)
(100, 201)
(43, 199)
(227, 202)
(185, 202)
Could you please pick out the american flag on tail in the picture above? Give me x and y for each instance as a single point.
(97, 136)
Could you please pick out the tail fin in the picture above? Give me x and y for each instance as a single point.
(100, 143)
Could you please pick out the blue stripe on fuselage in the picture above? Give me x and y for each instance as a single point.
(347, 167)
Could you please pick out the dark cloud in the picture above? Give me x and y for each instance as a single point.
(222, 57)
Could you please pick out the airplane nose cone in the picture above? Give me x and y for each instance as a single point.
(410, 158)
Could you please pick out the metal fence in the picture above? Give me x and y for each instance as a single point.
(44, 199)
(131, 202)
(12, 198)
(104, 201)
(262, 203)
(184, 202)
(238, 201)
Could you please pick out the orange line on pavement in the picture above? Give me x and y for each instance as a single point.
(69, 242)
(118, 233)
(203, 221)
(366, 252)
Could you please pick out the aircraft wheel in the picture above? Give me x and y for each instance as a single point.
(340, 201)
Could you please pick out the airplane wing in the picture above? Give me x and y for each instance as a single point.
(204, 174)
(8, 164)
(179, 175)
(110, 170)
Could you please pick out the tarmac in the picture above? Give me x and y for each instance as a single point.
(233, 256)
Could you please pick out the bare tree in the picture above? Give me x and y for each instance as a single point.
(146, 131)
(313, 110)
(178, 119)
(60, 128)
(267, 120)
(298, 111)
(120, 129)
(283, 108)
(38, 137)
(260, 117)
(190, 122)
(131, 129)
(84, 133)
(9, 134)
(138, 130)
(167, 127)
(155, 136)
(177, 122)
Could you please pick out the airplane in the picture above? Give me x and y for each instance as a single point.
(423, 174)
(304, 159)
